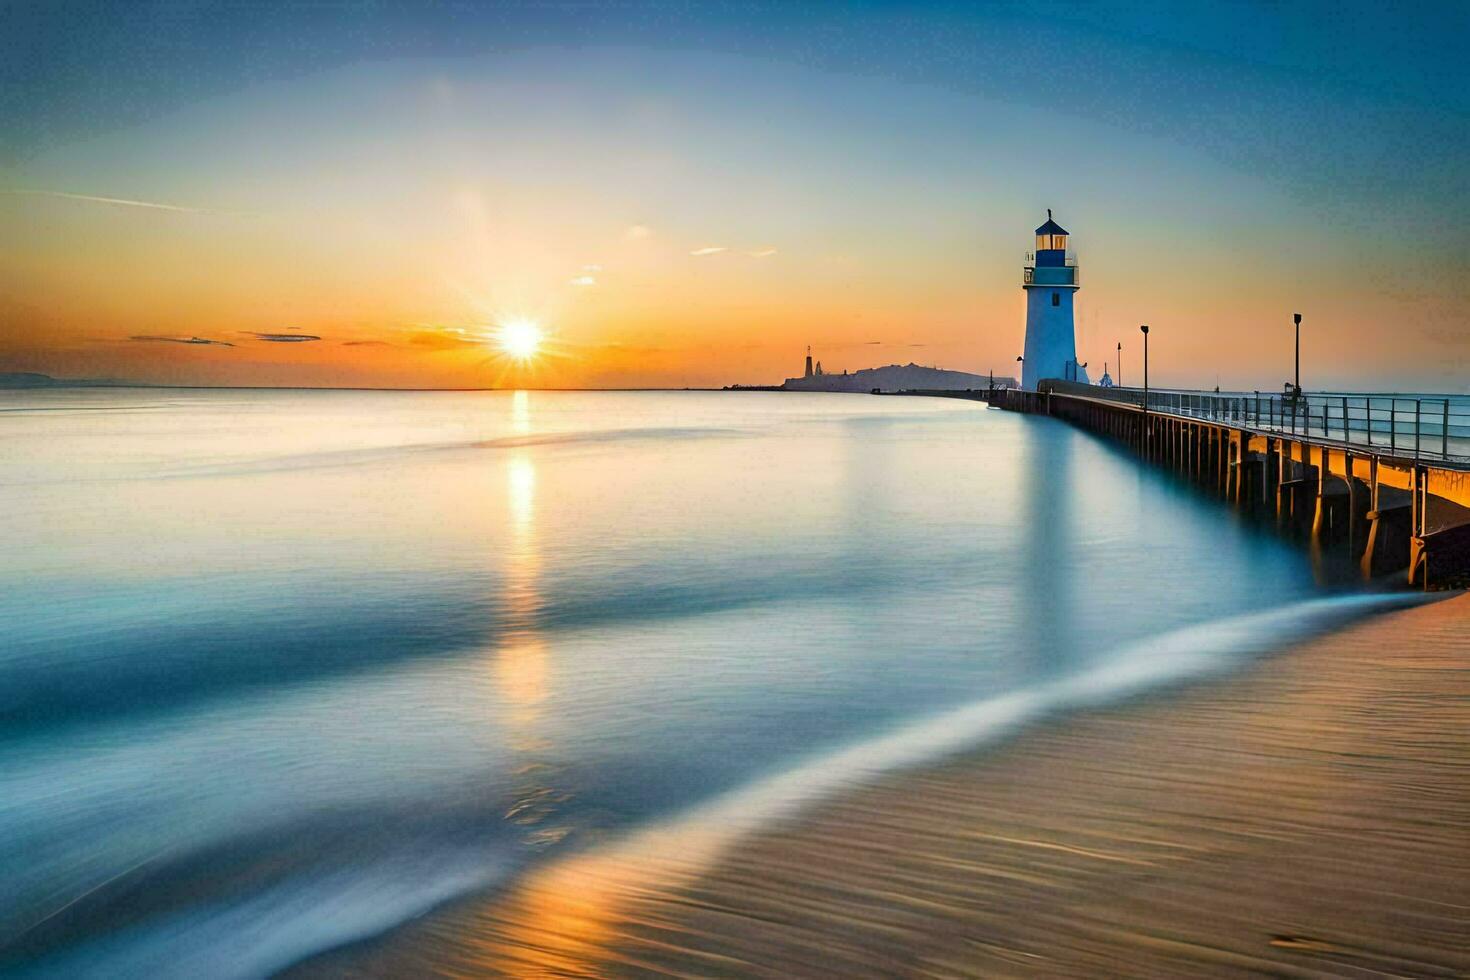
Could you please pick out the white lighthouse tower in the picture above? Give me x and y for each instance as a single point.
(1050, 280)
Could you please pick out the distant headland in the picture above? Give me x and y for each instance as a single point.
(30, 379)
(893, 377)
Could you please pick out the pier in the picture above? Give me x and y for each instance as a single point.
(1386, 477)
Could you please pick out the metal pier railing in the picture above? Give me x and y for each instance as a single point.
(1412, 427)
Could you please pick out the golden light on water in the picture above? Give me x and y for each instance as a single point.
(521, 662)
(519, 339)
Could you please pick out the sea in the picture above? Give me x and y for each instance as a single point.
(282, 670)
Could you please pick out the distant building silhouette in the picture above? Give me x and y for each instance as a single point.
(808, 362)
(1050, 280)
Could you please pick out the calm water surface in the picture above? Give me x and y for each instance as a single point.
(281, 670)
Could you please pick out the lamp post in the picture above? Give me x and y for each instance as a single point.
(1144, 328)
(1120, 364)
(1297, 319)
(1146, 434)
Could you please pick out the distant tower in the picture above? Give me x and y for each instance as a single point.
(1050, 279)
(808, 362)
(1107, 381)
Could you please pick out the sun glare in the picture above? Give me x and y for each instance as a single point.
(519, 339)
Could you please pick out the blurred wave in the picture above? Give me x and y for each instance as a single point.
(691, 842)
(327, 881)
(377, 455)
(80, 661)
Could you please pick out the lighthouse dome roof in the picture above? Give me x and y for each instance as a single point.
(1051, 227)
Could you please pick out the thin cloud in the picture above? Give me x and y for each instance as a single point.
(592, 268)
(761, 253)
(849, 344)
(708, 250)
(619, 348)
(583, 281)
(366, 343)
(123, 201)
(197, 341)
(440, 340)
(284, 338)
(637, 232)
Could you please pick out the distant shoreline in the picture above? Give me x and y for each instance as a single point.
(89, 385)
(35, 381)
(139, 385)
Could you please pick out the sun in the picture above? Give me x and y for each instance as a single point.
(519, 339)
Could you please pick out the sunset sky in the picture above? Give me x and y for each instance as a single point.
(688, 195)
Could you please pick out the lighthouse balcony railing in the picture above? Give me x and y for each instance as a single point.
(1070, 260)
(1418, 427)
(1050, 275)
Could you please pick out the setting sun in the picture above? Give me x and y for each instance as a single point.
(519, 339)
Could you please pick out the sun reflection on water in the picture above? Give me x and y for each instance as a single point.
(520, 412)
(521, 664)
(520, 661)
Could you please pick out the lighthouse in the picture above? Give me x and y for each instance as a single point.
(1050, 280)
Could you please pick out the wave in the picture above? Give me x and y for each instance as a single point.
(313, 911)
(282, 924)
(77, 662)
(371, 456)
(332, 459)
(80, 409)
(1191, 653)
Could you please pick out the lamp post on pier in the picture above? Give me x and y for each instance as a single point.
(1296, 318)
(1146, 434)
(1144, 328)
(1120, 364)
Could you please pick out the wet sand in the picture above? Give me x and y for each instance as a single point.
(1310, 817)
